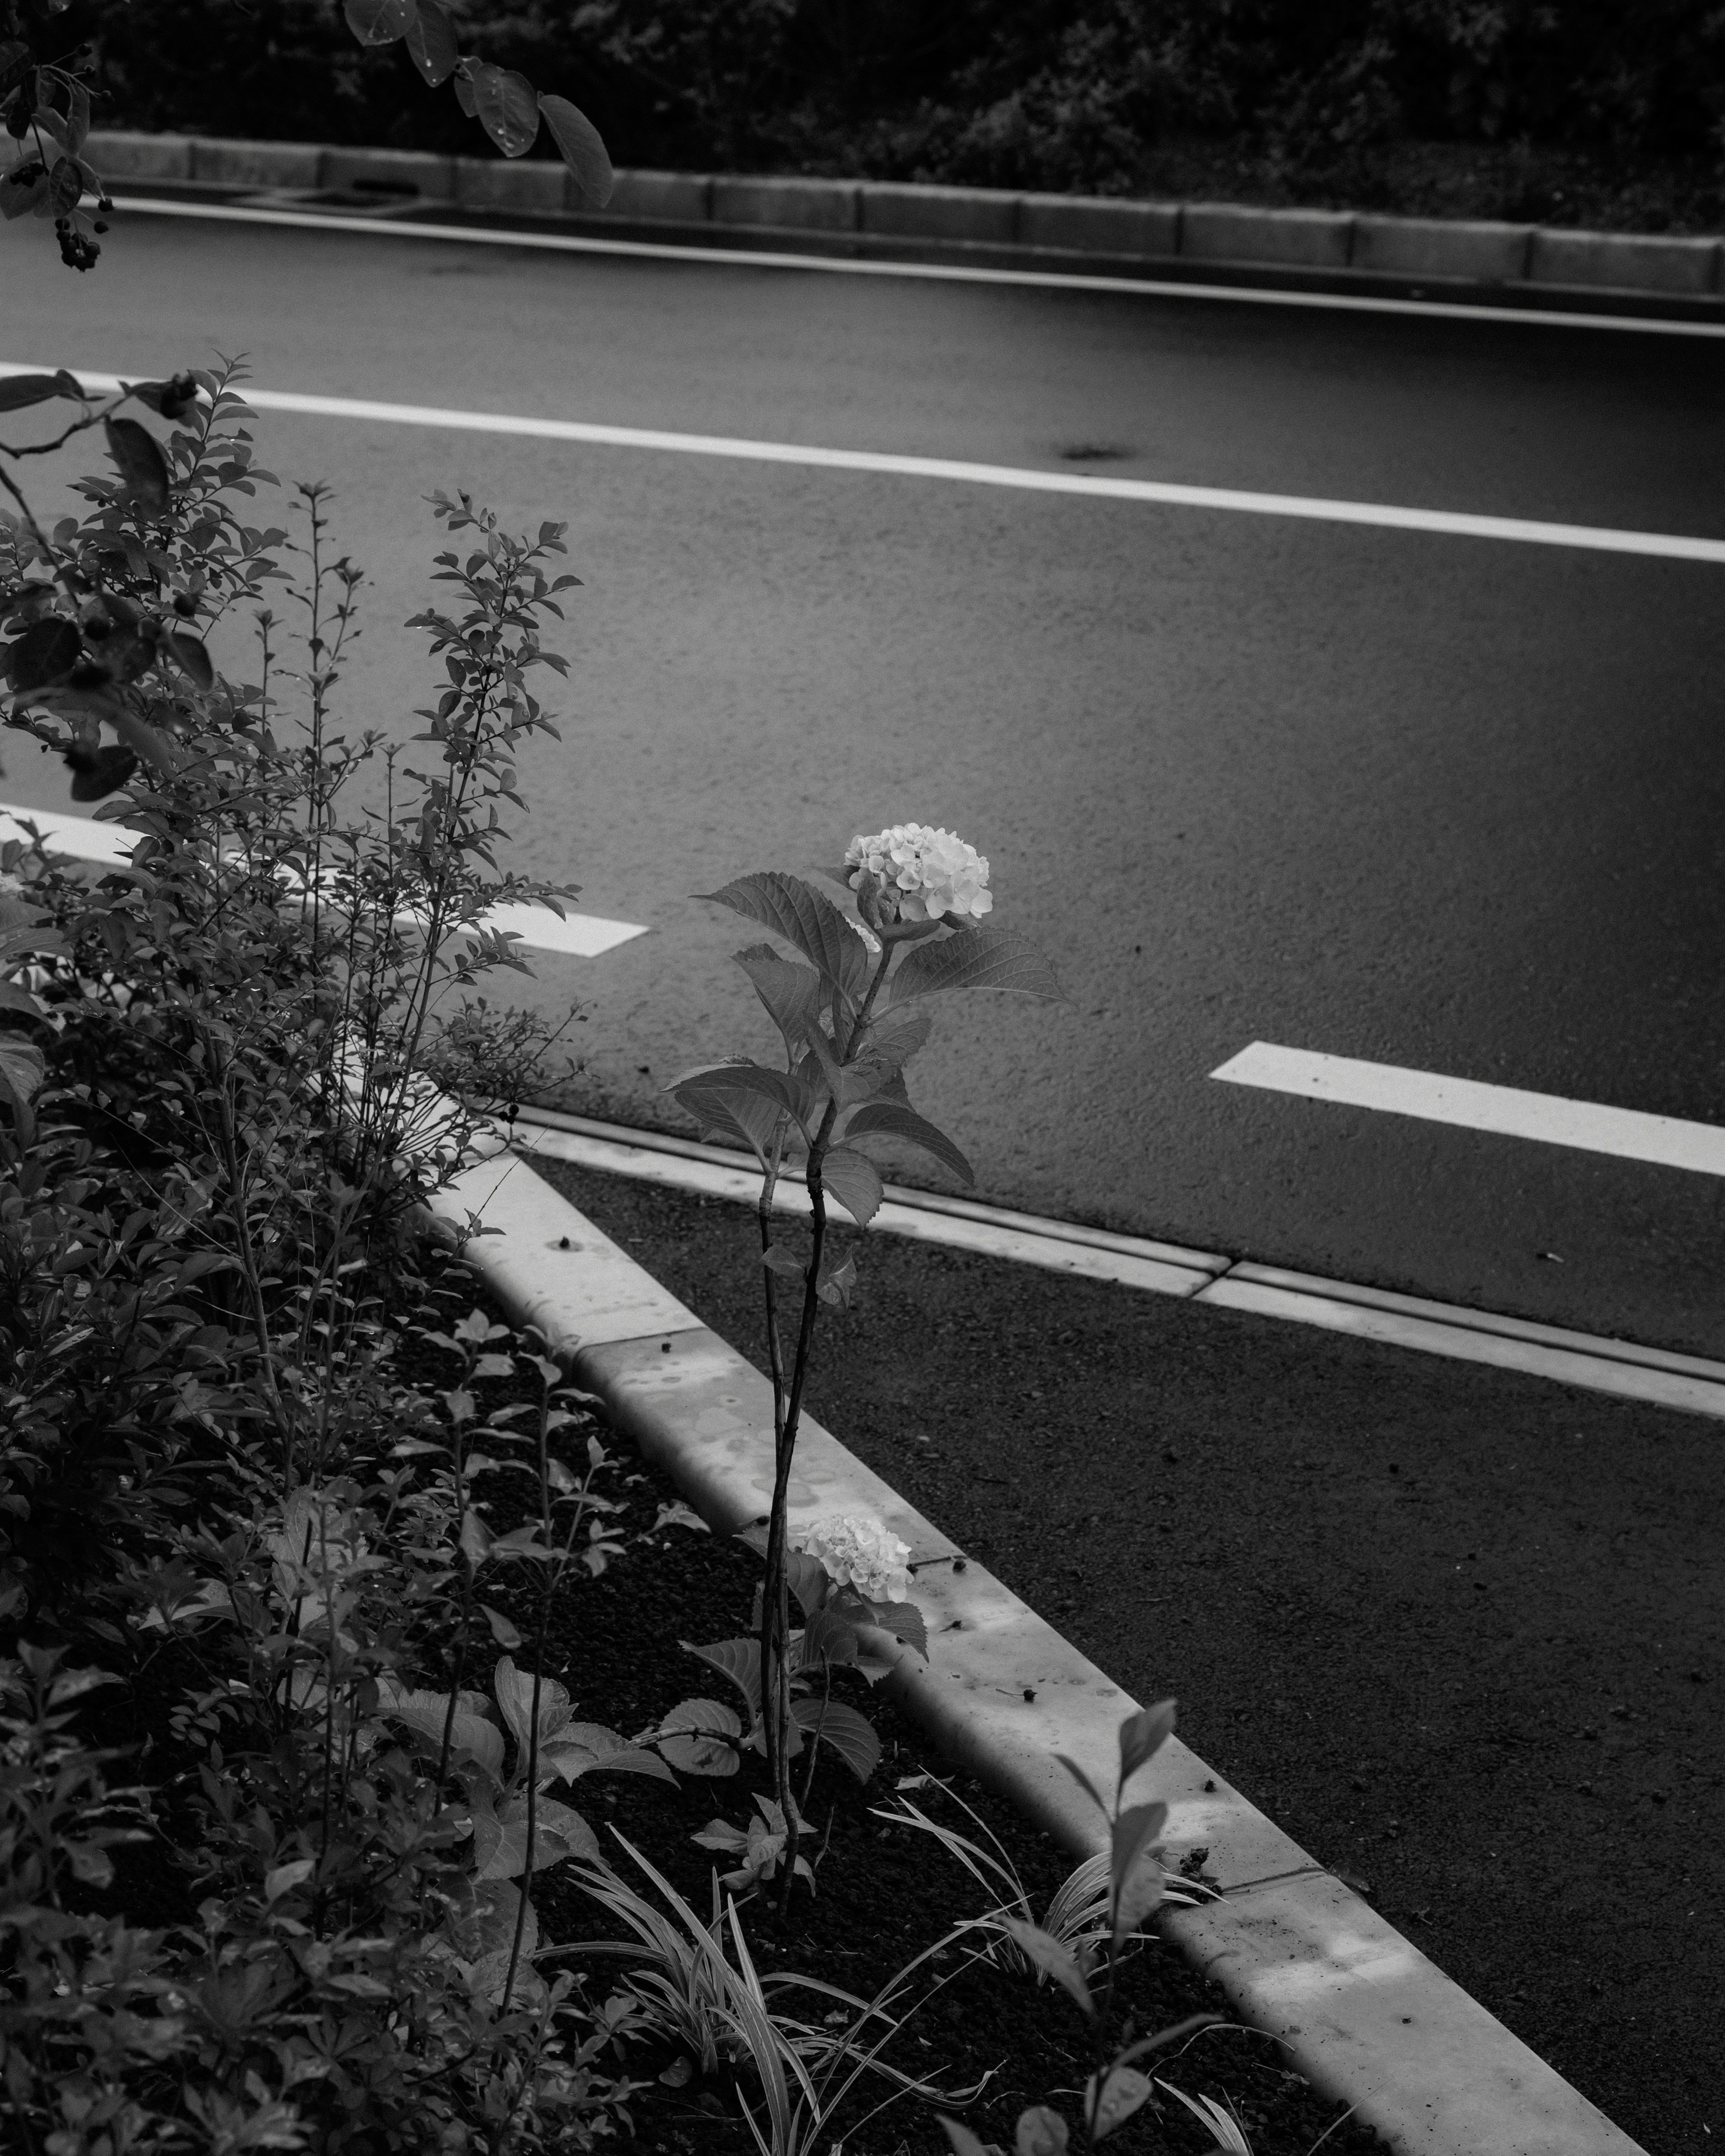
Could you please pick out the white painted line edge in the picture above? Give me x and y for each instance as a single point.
(580, 935)
(1389, 516)
(1597, 1374)
(742, 1185)
(1503, 1109)
(956, 273)
(1592, 1361)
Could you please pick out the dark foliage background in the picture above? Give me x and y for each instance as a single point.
(1605, 110)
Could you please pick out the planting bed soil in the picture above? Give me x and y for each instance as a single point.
(1460, 1632)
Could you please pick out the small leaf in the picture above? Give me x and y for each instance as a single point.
(583, 151)
(853, 1179)
(677, 1514)
(431, 44)
(1143, 1735)
(379, 22)
(894, 1036)
(887, 1119)
(697, 1737)
(143, 468)
(977, 959)
(19, 196)
(840, 1284)
(46, 652)
(286, 1876)
(506, 104)
(963, 2142)
(1053, 1959)
(1137, 1874)
(1083, 1781)
(502, 1631)
(65, 184)
(850, 1735)
(193, 658)
(1123, 2091)
(1040, 2132)
(779, 1259)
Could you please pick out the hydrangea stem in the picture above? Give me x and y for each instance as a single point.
(787, 1413)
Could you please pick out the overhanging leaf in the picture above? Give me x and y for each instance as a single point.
(804, 918)
(379, 22)
(431, 44)
(904, 1621)
(583, 151)
(18, 390)
(143, 468)
(849, 1733)
(46, 652)
(507, 106)
(94, 778)
(853, 1179)
(887, 1119)
(977, 959)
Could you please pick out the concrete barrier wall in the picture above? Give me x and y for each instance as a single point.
(1459, 252)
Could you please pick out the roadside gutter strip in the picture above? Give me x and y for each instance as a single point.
(1366, 2017)
(1688, 1382)
(977, 223)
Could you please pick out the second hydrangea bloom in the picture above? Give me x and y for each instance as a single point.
(861, 1553)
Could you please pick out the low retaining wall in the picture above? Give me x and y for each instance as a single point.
(878, 213)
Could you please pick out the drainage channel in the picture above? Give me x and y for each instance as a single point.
(1688, 1382)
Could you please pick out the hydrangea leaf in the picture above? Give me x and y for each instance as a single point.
(849, 1733)
(977, 959)
(804, 918)
(887, 1119)
(853, 1179)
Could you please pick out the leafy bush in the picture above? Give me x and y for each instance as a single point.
(221, 1072)
(1025, 95)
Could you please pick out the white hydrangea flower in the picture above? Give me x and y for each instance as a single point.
(928, 875)
(861, 1553)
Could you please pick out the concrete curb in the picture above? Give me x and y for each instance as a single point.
(1366, 2016)
(978, 222)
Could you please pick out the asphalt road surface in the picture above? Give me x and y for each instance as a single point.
(1447, 802)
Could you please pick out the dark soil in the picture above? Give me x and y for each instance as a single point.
(1459, 1631)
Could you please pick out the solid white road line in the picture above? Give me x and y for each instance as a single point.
(1504, 1110)
(1385, 515)
(579, 935)
(949, 272)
